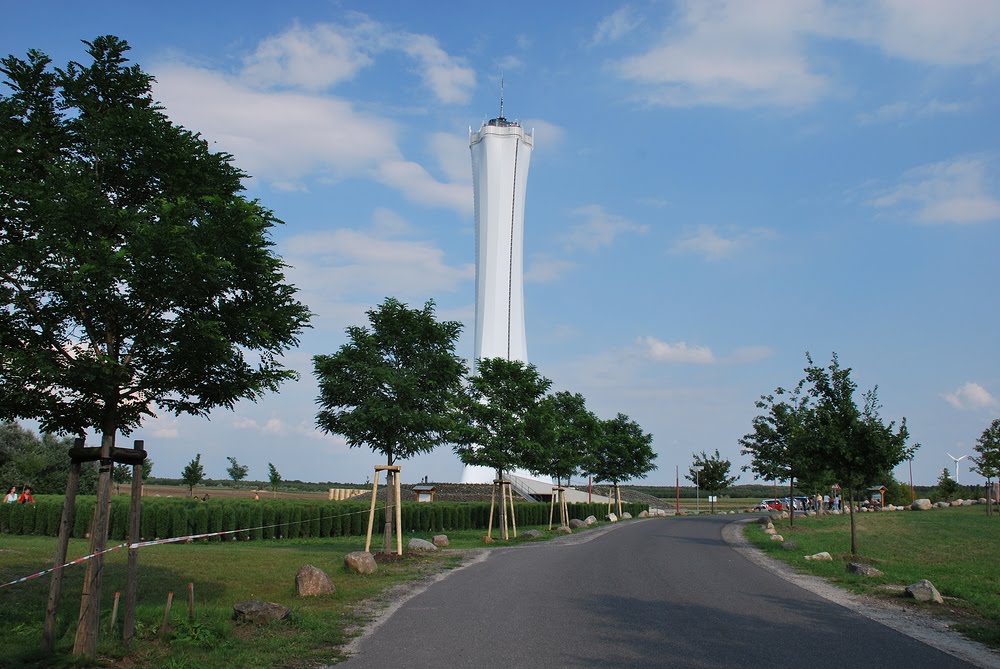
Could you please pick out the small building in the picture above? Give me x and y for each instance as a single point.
(425, 492)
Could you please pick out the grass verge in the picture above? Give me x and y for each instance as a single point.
(223, 573)
(954, 548)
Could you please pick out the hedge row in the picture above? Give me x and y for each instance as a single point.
(164, 517)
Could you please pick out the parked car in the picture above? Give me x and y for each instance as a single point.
(770, 505)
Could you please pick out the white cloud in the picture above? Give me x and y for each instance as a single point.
(345, 264)
(417, 184)
(615, 26)
(710, 244)
(971, 396)
(279, 136)
(662, 351)
(747, 54)
(448, 77)
(313, 58)
(954, 191)
(547, 136)
(599, 228)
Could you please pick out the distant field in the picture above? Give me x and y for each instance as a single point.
(150, 490)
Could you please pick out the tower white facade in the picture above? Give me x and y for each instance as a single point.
(501, 153)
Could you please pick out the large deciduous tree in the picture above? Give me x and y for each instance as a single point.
(133, 272)
(853, 442)
(394, 386)
(621, 451)
(567, 430)
(714, 475)
(502, 420)
(987, 460)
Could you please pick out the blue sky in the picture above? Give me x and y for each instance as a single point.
(716, 188)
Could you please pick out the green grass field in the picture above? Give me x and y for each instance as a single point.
(223, 574)
(954, 548)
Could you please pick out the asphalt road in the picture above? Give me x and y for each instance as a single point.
(652, 593)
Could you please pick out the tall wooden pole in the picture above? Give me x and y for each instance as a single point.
(371, 513)
(85, 642)
(65, 527)
(399, 516)
(132, 570)
(513, 516)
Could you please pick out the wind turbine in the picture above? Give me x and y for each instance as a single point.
(957, 460)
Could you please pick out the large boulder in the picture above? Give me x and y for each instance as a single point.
(415, 544)
(611, 518)
(564, 529)
(312, 581)
(576, 523)
(532, 534)
(590, 520)
(922, 504)
(626, 515)
(260, 613)
(957, 502)
(360, 562)
(644, 514)
(924, 591)
(777, 537)
(440, 540)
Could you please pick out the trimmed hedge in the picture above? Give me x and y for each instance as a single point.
(166, 517)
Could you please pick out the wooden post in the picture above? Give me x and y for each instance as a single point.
(132, 569)
(564, 508)
(493, 500)
(85, 641)
(618, 496)
(191, 602)
(552, 506)
(513, 516)
(399, 515)
(114, 612)
(65, 527)
(165, 627)
(503, 511)
(390, 493)
(371, 513)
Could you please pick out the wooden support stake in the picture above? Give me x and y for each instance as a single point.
(55, 584)
(552, 506)
(493, 500)
(165, 627)
(371, 513)
(191, 602)
(132, 568)
(513, 517)
(399, 516)
(114, 612)
(504, 534)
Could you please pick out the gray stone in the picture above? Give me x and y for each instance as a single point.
(590, 520)
(611, 518)
(532, 534)
(312, 581)
(626, 515)
(922, 504)
(864, 569)
(957, 502)
(564, 529)
(440, 540)
(777, 537)
(942, 505)
(576, 523)
(258, 612)
(790, 545)
(822, 555)
(770, 530)
(644, 514)
(361, 562)
(420, 545)
(924, 591)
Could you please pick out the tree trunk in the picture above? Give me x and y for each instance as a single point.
(854, 534)
(55, 585)
(85, 642)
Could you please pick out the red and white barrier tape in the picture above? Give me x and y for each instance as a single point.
(155, 542)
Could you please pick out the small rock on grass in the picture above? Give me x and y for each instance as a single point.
(312, 581)
(416, 544)
(864, 569)
(924, 591)
(822, 555)
(361, 562)
(256, 611)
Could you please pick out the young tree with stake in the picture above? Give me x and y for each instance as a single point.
(134, 273)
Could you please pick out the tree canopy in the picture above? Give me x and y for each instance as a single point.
(133, 272)
(40, 462)
(622, 451)
(567, 430)
(395, 385)
(193, 473)
(987, 458)
(502, 423)
(235, 470)
(714, 475)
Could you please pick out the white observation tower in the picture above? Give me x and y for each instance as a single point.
(501, 152)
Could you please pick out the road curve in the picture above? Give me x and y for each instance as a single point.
(652, 593)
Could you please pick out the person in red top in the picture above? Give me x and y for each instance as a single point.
(26, 497)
